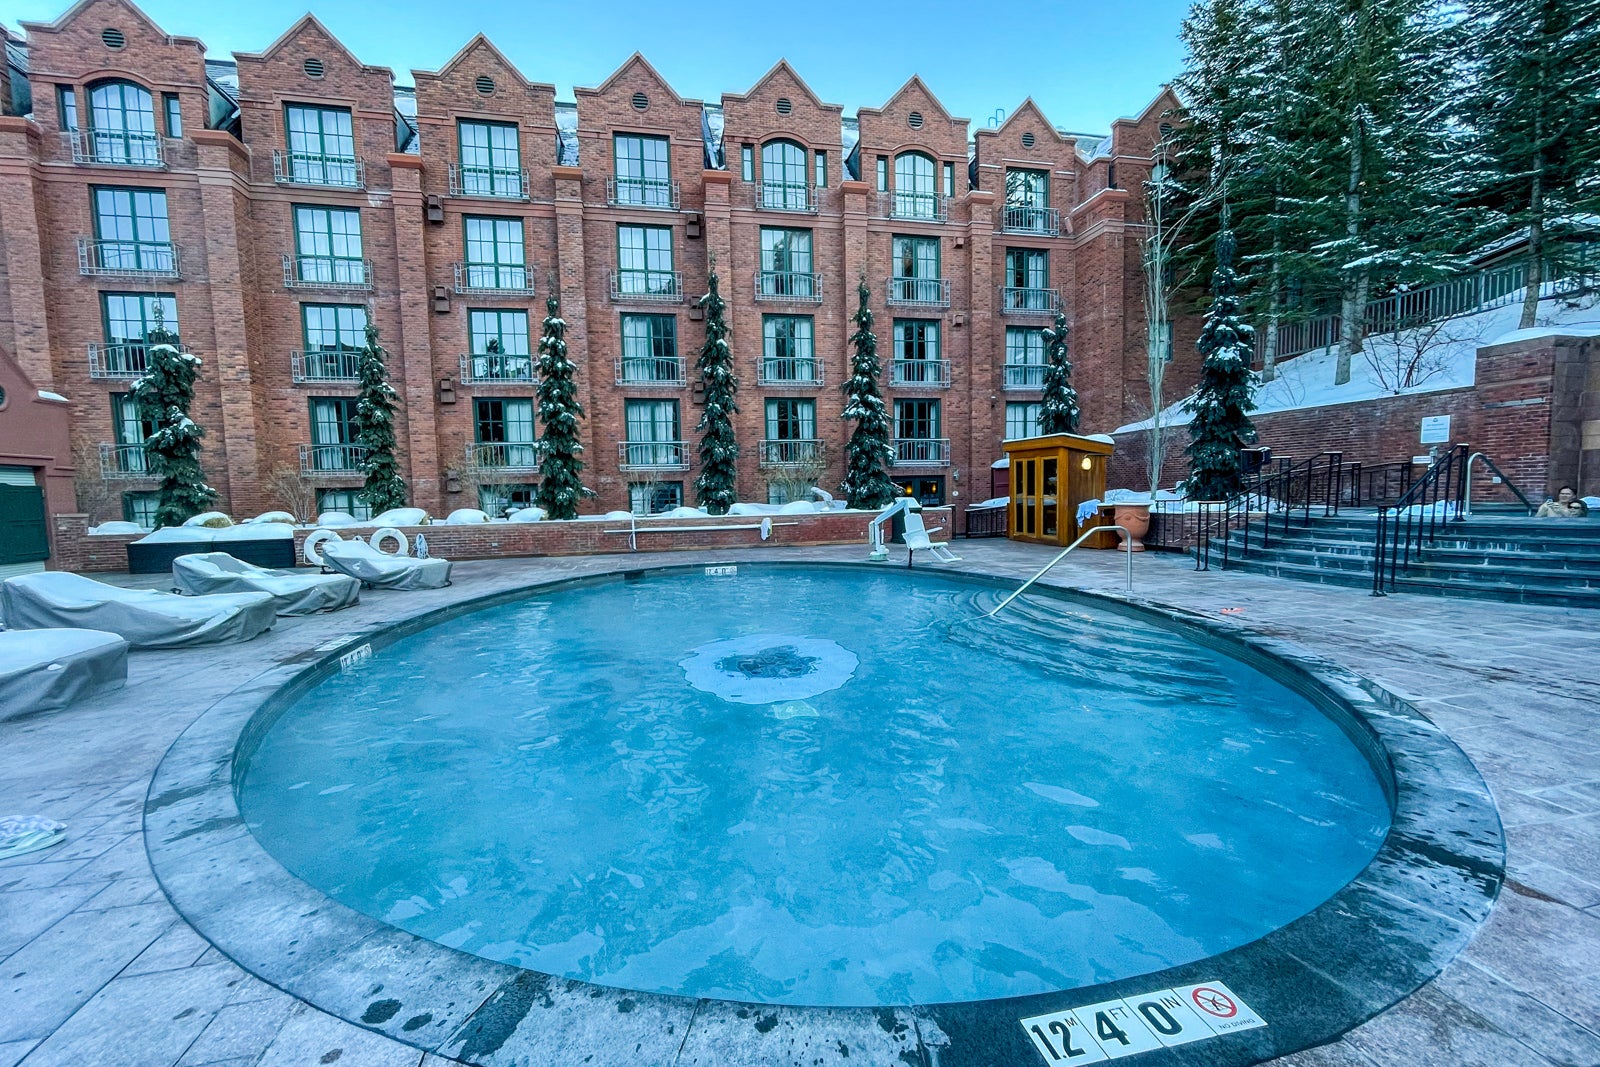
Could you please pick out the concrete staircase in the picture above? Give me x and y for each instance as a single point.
(1490, 556)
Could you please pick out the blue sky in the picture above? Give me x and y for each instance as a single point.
(1084, 63)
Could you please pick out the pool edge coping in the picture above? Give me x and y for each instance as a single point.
(1384, 934)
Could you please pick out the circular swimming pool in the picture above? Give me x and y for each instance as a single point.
(814, 787)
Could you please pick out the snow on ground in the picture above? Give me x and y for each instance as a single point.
(1306, 381)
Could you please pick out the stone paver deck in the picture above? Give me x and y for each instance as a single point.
(97, 969)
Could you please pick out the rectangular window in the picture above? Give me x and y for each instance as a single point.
(883, 174)
(822, 170)
(1027, 280)
(949, 179)
(1027, 188)
(500, 500)
(644, 175)
(491, 160)
(174, 114)
(916, 277)
(349, 501)
(333, 434)
(140, 507)
(916, 341)
(495, 254)
(132, 230)
(786, 264)
(747, 162)
(644, 261)
(334, 334)
(916, 420)
(654, 438)
(127, 426)
(129, 318)
(67, 103)
(499, 346)
(1024, 366)
(650, 349)
(791, 420)
(787, 350)
(1022, 420)
(328, 245)
(504, 432)
(652, 498)
(322, 145)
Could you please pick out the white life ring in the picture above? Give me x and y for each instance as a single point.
(317, 538)
(377, 540)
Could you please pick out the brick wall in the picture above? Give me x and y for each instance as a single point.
(76, 550)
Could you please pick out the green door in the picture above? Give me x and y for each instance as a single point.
(22, 529)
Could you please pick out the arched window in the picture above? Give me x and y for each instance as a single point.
(915, 194)
(783, 177)
(122, 125)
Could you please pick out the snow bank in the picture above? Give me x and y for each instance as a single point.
(526, 515)
(466, 517)
(117, 527)
(267, 531)
(337, 518)
(1547, 331)
(213, 519)
(401, 517)
(271, 516)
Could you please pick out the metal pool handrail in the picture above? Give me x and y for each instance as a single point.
(1466, 494)
(1127, 541)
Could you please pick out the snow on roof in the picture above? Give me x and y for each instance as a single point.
(45, 394)
(1576, 330)
(225, 75)
(17, 55)
(567, 134)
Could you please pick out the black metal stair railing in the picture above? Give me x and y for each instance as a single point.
(1417, 517)
(1280, 497)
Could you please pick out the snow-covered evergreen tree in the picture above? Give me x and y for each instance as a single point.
(1058, 409)
(869, 453)
(560, 470)
(164, 393)
(719, 451)
(374, 428)
(1536, 113)
(1221, 405)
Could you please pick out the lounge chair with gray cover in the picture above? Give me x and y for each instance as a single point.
(381, 570)
(41, 670)
(292, 593)
(144, 618)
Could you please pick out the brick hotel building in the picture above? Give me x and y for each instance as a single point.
(271, 205)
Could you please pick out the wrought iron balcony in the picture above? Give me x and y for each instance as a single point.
(804, 371)
(919, 292)
(1024, 375)
(497, 278)
(789, 453)
(1016, 300)
(650, 370)
(124, 361)
(648, 286)
(1038, 220)
(642, 192)
(788, 287)
(341, 365)
(921, 452)
(500, 183)
(116, 148)
(653, 455)
(124, 463)
(485, 368)
(504, 455)
(314, 168)
(128, 259)
(922, 207)
(338, 461)
(786, 196)
(920, 373)
(326, 272)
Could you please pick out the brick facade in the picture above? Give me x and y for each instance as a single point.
(232, 220)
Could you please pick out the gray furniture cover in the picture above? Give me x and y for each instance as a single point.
(45, 669)
(147, 619)
(292, 594)
(360, 560)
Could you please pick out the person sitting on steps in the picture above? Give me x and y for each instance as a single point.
(1566, 505)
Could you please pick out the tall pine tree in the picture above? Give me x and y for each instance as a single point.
(719, 451)
(560, 483)
(866, 482)
(164, 393)
(1058, 411)
(1221, 405)
(1536, 111)
(375, 408)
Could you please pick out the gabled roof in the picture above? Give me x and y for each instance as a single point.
(782, 67)
(71, 14)
(306, 22)
(480, 41)
(637, 61)
(916, 82)
(1031, 110)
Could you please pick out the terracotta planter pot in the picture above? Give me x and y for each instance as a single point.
(1136, 518)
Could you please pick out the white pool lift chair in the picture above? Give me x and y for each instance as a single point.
(917, 540)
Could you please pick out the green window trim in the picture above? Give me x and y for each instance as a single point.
(132, 228)
(128, 318)
(122, 124)
(643, 169)
(327, 244)
(67, 108)
(821, 169)
(495, 253)
(1022, 419)
(790, 419)
(788, 349)
(506, 329)
(644, 259)
(333, 327)
(916, 340)
(650, 348)
(489, 156)
(917, 257)
(916, 420)
(172, 110)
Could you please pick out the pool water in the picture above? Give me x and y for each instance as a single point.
(814, 786)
